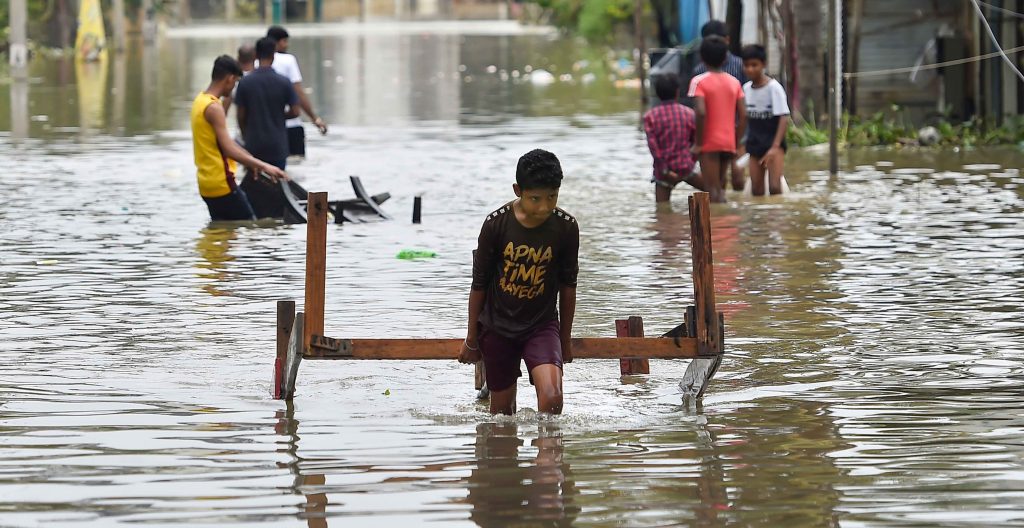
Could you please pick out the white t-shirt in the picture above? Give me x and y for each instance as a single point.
(765, 106)
(767, 101)
(286, 64)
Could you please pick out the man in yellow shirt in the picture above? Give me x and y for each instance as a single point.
(215, 152)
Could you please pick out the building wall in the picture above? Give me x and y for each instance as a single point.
(897, 35)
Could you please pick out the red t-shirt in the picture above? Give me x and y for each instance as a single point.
(720, 92)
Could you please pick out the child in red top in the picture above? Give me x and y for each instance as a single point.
(721, 117)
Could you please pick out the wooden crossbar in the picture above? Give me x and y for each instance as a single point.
(582, 348)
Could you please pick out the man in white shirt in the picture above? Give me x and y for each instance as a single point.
(286, 64)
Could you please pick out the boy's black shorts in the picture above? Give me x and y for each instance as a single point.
(297, 141)
(758, 150)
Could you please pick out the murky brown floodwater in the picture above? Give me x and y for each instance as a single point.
(874, 372)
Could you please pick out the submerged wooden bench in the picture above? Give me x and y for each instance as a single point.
(699, 337)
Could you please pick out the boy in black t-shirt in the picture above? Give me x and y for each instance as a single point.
(767, 118)
(526, 260)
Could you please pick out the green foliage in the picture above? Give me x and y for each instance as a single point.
(805, 134)
(595, 20)
(893, 128)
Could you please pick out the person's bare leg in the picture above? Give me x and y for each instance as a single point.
(711, 175)
(547, 379)
(739, 176)
(662, 193)
(756, 177)
(504, 401)
(775, 175)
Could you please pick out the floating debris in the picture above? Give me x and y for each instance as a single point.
(411, 254)
(541, 78)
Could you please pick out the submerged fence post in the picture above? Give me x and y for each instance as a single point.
(417, 209)
(632, 327)
(316, 266)
(285, 320)
(708, 328)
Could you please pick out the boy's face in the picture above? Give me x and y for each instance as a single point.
(537, 204)
(753, 68)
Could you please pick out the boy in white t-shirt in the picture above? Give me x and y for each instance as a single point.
(767, 118)
(286, 64)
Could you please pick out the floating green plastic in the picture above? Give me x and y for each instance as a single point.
(410, 254)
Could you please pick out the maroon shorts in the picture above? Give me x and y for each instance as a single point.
(502, 355)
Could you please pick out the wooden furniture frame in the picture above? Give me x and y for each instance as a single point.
(301, 335)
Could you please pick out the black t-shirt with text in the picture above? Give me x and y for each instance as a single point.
(523, 268)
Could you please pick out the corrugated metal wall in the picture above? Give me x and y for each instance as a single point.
(895, 35)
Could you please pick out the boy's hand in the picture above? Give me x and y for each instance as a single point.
(274, 172)
(320, 125)
(768, 156)
(468, 355)
(566, 349)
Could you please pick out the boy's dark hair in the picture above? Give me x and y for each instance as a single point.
(277, 33)
(754, 52)
(714, 28)
(713, 51)
(246, 53)
(265, 48)
(225, 65)
(666, 87)
(539, 169)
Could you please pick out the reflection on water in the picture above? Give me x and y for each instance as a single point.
(504, 489)
(874, 366)
(214, 246)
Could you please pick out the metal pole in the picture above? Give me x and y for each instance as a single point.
(18, 36)
(835, 79)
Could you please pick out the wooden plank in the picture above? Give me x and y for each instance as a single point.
(708, 333)
(632, 327)
(636, 329)
(316, 265)
(479, 375)
(583, 348)
(285, 320)
(295, 354)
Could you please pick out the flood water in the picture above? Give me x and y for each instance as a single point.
(874, 341)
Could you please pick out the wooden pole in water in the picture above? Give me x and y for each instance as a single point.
(118, 23)
(18, 52)
(285, 320)
(417, 209)
(316, 266)
(708, 327)
(638, 28)
(632, 327)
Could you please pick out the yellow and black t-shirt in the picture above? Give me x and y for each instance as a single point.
(214, 171)
(523, 268)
